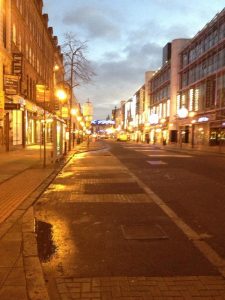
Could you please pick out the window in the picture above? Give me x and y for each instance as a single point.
(4, 22)
(14, 33)
(19, 42)
(178, 102)
(168, 108)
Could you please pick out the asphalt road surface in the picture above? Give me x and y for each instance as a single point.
(192, 184)
(100, 229)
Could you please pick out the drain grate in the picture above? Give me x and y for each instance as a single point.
(143, 232)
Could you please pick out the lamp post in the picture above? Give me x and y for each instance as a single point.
(61, 95)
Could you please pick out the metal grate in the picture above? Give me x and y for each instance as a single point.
(143, 232)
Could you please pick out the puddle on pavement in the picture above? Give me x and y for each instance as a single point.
(45, 243)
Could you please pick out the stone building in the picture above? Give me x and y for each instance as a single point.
(5, 60)
(30, 76)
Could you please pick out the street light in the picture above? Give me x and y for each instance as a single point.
(61, 94)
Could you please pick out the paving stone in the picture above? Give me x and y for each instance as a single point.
(13, 292)
(16, 277)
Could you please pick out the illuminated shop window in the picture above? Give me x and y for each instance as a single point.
(178, 102)
(191, 99)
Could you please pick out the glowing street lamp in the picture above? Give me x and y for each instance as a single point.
(73, 111)
(182, 112)
(61, 94)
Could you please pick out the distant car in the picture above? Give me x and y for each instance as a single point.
(122, 137)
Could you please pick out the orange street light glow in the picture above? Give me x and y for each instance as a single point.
(61, 94)
(73, 111)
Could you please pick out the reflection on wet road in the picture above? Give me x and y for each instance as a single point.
(45, 242)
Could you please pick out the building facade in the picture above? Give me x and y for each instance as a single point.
(163, 88)
(28, 55)
(202, 86)
(5, 62)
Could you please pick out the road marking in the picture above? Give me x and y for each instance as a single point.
(156, 162)
(216, 260)
(146, 150)
(168, 155)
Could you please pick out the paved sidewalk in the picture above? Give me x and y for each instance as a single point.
(22, 180)
(85, 205)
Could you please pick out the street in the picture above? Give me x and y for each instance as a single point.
(134, 221)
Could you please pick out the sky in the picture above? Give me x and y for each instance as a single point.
(125, 39)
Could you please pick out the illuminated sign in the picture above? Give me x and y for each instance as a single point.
(103, 122)
(154, 119)
(42, 93)
(203, 119)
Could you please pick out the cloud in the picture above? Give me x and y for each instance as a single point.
(119, 79)
(93, 21)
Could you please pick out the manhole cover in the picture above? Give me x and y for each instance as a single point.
(143, 232)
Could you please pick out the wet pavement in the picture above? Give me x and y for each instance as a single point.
(23, 179)
(102, 237)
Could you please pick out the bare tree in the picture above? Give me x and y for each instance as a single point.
(77, 68)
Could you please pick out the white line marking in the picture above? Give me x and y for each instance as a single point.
(215, 259)
(146, 150)
(168, 155)
(156, 162)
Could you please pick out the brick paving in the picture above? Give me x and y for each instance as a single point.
(16, 189)
(69, 187)
(22, 180)
(142, 288)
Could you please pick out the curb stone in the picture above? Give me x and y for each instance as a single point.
(36, 288)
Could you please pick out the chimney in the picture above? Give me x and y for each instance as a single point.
(50, 30)
(45, 17)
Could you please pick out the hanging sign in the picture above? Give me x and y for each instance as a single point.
(65, 112)
(17, 64)
(42, 93)
(11, 84)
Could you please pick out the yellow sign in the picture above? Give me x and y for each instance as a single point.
(65, 112)
(42, 93)
(2, 104)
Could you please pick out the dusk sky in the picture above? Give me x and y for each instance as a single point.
(125, 39)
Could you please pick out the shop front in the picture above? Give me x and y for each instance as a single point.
(217, 133)
(203, 134)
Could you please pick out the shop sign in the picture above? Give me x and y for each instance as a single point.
(203, 119)
(12, 106)
(11, 84)
(17, 64)
(103, 122)
(65, 112)
(2, 104)
(42, 93)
